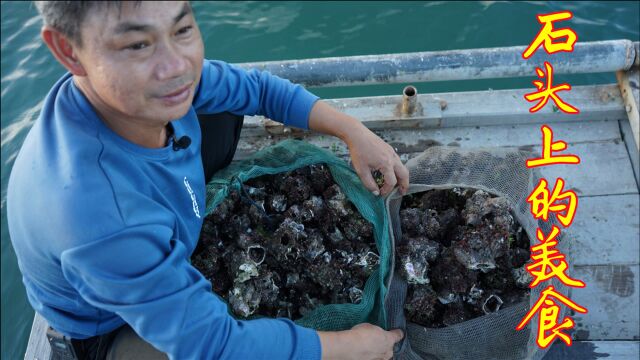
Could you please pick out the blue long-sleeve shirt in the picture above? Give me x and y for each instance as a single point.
(103, 228)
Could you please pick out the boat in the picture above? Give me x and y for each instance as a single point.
(605, 134)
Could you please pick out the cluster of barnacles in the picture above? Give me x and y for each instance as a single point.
(462, 254)
(286, 243)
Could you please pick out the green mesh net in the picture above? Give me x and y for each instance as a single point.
(293, 154)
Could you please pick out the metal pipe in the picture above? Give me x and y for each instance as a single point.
(409, 100)
(504, 62)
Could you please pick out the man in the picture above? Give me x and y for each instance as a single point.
(117, 189)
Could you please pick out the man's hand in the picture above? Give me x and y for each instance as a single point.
(362, 342)
(368, 152)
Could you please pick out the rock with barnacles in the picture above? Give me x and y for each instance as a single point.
(411, 222)
(284, 244)
(296, 189)
(365, 262)
(337, 202)
(243, 267)
(421, 304)
(481, 206)
(278, 203)
(313, 245)
(357, 229)
(320, 178)
(491, 303)
(462, 254)
(522, 277)
(224, 210)
(431, 223)
(414, 257)
(313, 210)
(450, 276)
(478, 247)
(244, 299)
(455, 313)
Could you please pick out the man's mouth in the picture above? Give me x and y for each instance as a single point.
(178, 96)
(178, 92)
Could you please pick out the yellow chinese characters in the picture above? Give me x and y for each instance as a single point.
(547, 34)
(543, 201)
(549, 329)
(549, 262)
(548, 147)
(546, 91)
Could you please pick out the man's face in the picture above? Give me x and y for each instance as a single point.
(142, 61)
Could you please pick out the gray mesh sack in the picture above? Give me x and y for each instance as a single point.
(500, 172)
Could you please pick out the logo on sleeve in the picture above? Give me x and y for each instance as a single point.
(193, 197)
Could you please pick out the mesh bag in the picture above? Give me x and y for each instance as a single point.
(290, 155)
(500, 172)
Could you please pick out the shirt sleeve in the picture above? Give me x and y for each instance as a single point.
(224, 87)
(145, 278)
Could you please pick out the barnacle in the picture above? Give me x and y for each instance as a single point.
(244, 299)
(355, 295)
(356, 229)
(411, 221)
(337, 202)
(244, 267)
(256, 193)
(308, 304)
(313, 245)
(368, 260)
(378, 177)
(278, 203)
(222, 212)
(522, 277)
(312, 209)
(320, 177)
(294, 212)
(267, 288)
(473, 210)
(431, 224)
(256, 253)
(475, 294)
(482, 206)
(296, 189)
(257, 212)
(492, 304)
(478, 247)
(335, 236)
(454, 313)
(421, 304)
(414, 259)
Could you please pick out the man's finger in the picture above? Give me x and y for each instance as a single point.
(397, 335)
(389, 180)
(402, 174)
(368, 181)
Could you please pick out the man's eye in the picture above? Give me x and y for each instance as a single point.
(137, 46)
(185, 30)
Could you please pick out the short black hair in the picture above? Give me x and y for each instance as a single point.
(67, 16)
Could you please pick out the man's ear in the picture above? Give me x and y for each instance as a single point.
(63, 50)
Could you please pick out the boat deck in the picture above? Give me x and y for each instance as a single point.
(606, 229)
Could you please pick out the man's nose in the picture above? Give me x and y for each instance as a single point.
(171, 63)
